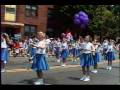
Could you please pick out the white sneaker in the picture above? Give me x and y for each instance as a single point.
(94, 71)
(5, 62)
(63, 65)
(31, 58)
(2, 70)
(31, 62)
(28, 54)
(39, 82)
(110, 68)
(75, 60)
(83, 78)
(107, 67)
(58, 60)
(87, 79)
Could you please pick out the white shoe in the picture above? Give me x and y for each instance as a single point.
(75, 60)
(83, 78)
(110, 68)
(31, 58)
(87, 79)
(31, 62)
(58, 60)
(63, 65)
(5, 62)
(94, 71)
(28, 54)
(39, 82)
(2, 70)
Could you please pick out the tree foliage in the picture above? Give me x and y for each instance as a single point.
(104, 19)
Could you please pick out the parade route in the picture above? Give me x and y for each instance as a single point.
(18, 73)
(60, 45)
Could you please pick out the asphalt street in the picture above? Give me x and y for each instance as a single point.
(18, 72)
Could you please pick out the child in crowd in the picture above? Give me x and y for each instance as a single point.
(40, 63)
(110, 54)
(86, 62)
(64, 53)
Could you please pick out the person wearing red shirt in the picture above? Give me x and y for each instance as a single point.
(16, 48)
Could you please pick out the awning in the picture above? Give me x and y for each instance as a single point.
(12, 23)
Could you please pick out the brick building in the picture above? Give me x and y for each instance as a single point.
(24, 20)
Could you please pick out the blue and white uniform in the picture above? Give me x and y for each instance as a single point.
(33, 48)
(4, 51)
(40, 63)
(87, 59)
(48, 45)
(110, 53)
(25, 45)
(98, 54)
(81, 47)
(74, 49)
(64, 53)
(78, 49)
(105, 47)
(70, 49)
(30, 41)
(57, 48)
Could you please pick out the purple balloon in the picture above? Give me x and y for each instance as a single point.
(81, 13)
(77, 21)
(81, 19)
(76, 16)
(85, 20)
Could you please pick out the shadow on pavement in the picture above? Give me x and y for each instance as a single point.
(48, 81)
(102, 68)
(28, 81)
(74, 78)
(116, 67)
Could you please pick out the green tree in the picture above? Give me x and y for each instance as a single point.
(104, 19)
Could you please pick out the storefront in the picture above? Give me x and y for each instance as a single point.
(12, 29)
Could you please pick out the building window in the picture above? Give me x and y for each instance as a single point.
(10, 13)
(31, 10)
(30, 30)
(10, 9)
(50, 11)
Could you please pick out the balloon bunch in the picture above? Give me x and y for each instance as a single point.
(81, 18)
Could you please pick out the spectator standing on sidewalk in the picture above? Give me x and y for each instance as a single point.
(5, 42)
